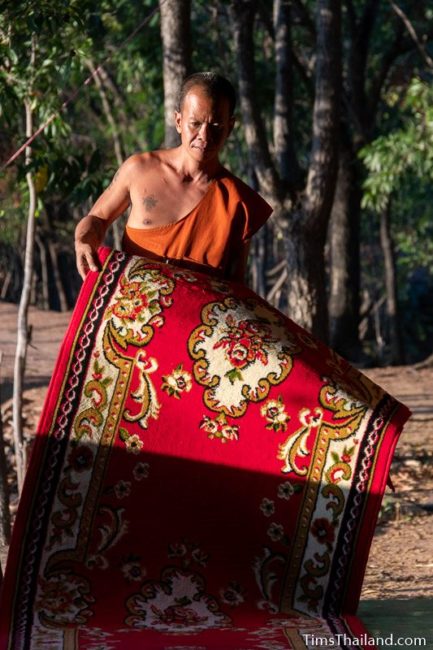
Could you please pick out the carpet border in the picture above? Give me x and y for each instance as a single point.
(357, 569)
(36, 462)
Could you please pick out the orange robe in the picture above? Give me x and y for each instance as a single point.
(210, 236)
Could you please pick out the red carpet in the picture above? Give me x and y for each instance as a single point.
(205, 475)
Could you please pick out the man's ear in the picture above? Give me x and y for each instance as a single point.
(177, 120)
(232, 123)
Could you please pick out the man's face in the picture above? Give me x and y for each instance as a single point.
(203, 124)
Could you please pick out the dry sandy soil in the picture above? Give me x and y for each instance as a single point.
(401, 558)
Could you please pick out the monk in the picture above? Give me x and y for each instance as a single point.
(185, 207)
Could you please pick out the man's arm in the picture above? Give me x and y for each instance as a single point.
(90, 231)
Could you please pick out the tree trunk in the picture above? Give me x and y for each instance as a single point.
(258, 262)
(22, 324)
(344, 266)
(63, 302)
(343, 233)
(176, 39)
(5, 285)
(242, 15)
(390, 286)
(305, 224)
(44, 273)
(306, 290)
(308, 225)
(283, 102)
(5, 521)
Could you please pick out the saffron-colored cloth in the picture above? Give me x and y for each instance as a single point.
(212, 234)
(206, 475)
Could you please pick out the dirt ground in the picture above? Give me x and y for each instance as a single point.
(401, 557)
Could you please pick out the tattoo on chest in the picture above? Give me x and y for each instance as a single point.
(149, 202)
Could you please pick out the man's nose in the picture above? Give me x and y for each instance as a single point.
(204, 130)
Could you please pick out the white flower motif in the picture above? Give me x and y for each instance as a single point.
(285, 490)
(219, 428)
(178, 549)
(266, 606)
(275, 532)
(267, 506)
(232, 595)
(209, 425)
(122, 489)
(199, 556)
(133, 444)
(140, 471)
(274, 412)
(133, 571)
(230, 432)
(178, 382)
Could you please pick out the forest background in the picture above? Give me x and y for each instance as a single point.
(335, 130)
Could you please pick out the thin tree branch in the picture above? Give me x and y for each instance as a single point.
(304, 74)
(117, 144)
(411, 29)
(5, 522)
(401, 45)
(118, 150)
(266, 18)
(278, 284)
(118, 97)
(22, 321)
(305, 17)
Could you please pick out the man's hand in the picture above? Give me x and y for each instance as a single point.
(89, 235)
(90, 231)
(86, 257)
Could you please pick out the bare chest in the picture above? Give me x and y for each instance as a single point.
(159, 203)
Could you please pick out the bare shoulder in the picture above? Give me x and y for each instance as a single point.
(137, 162)
(148, 162)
